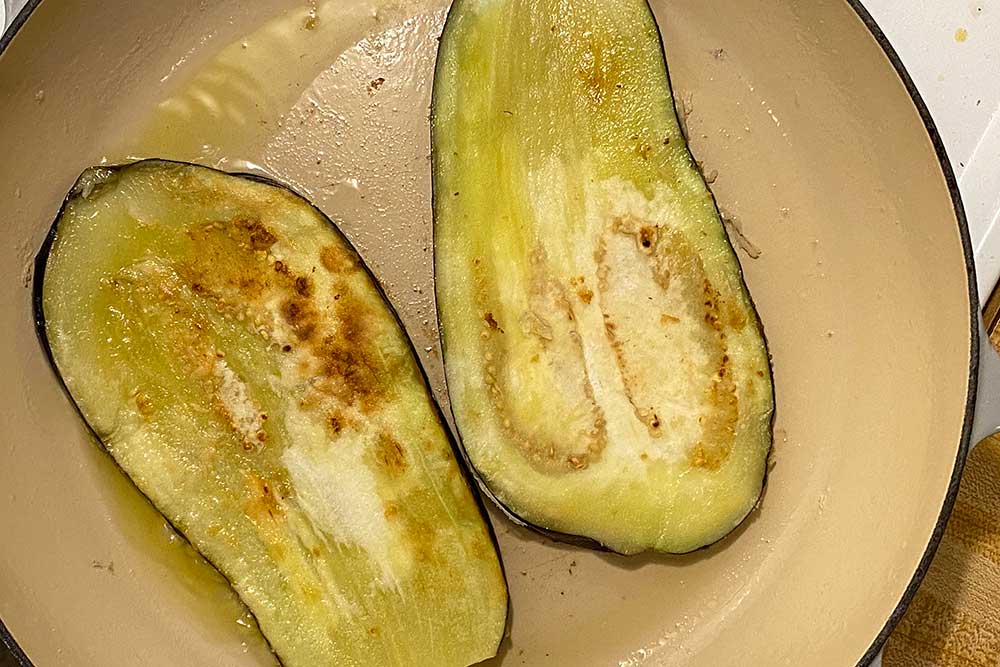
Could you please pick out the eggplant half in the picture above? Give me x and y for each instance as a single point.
(239, 362)
(607, 369)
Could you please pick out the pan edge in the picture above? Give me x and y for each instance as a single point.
(948, 173)
(7, 640)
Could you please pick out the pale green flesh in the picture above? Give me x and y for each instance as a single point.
(181, 306)
(605, 364)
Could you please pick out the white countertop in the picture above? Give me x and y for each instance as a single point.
(952, 51)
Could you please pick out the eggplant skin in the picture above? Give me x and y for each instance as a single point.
(607, 369)
(238, 360)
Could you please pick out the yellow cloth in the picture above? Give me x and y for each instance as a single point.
(954, 621)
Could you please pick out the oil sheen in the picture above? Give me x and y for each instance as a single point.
(311, 97)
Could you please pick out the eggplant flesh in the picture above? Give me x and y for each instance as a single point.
(607, 369)
(237, 359)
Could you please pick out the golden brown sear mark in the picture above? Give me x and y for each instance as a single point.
(262, 499)
(337, 260)
(339, 358)
(259, 236)
(642, 149)
(598, 69)
(143, 403)
(673, 261)
(303, 286)
(719, 424)
(336, 422)
(646, 237)
(301, 316)
(344, 362)
(579, 284)
(390, 455)
(348, 357)
(226, 264)
(421, 537)
(711, 303)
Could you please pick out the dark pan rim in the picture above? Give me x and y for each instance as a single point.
(970, 406)
(963, 228)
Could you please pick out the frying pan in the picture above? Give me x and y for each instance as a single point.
(825, 155)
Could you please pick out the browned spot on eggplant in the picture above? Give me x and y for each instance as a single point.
(337, 260)
(143, 403)
(599, 70)
(491, 322)
(674, 263)
(736, 317)
(336, 422)
(711, 301)
(303, 286)
(227, 263)
(347, 376)
(719, 425)
(647, 236)
(259, 236)
(390, 455)
(261, 499)
(348, 359)
(644, 233)
(300, 316)
(421, 537)
(249, 285)
(579, 283)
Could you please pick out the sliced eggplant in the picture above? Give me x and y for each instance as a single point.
(606, 366)
(239, 362)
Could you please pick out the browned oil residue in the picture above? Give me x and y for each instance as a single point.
(390, 456)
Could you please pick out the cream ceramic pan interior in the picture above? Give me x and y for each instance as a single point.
(862, 283)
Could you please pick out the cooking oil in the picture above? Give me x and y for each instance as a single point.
(330, 99)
